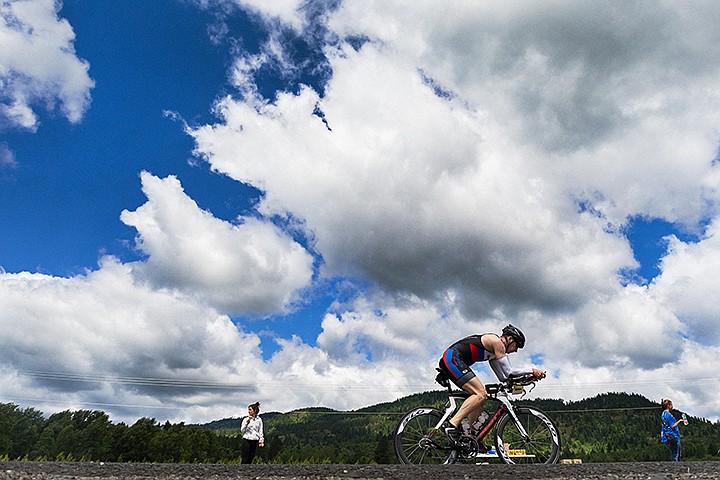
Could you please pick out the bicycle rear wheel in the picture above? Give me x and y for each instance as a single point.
(418, 442)
(542, 444)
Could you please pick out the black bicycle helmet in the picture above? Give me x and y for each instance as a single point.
(516, 334)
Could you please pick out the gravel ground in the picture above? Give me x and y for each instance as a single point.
(135, 471)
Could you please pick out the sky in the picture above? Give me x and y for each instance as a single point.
(208, 203)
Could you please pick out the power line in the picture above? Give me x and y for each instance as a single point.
(139, 381)
(212, 385)
(190, 383)
(95, 404)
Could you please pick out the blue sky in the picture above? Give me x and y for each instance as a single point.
(280, 199)
(66, 201)
(142, 67)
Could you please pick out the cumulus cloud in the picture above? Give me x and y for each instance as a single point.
(106, 334)
(38, 64)
(598, 334)
(484, 159)
(471, 165)
(435, 204)
(602, 95)
(107, 339)
(248, 268)
(689, 285)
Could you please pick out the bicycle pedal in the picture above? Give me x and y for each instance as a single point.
(467, 443)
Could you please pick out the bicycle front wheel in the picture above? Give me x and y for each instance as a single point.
(540, 444)
(418, 441)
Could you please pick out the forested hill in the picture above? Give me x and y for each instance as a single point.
(615, 427)
(608, 427)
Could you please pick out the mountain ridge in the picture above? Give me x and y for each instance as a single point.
(612, 426)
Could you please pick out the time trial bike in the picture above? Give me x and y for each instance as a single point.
(523, 434)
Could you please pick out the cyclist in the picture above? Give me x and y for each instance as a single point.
(456, 361)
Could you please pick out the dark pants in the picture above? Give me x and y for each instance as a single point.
(674, 444)
(247, 450)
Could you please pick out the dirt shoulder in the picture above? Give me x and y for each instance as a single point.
(136, 471)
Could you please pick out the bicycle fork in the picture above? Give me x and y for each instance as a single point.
(505, 400)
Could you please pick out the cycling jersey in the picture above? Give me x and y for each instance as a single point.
(459, 356)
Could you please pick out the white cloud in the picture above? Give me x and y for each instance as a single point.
(686, 380)
(287, 12)
(61, 334)
(689, 285)
(499, 200)
(301, 375)
(623, 330)
(108, 340)
(435, 204)
(38, 64)
(7, 156)
(491, 154)
(602, 95)
(249, 268)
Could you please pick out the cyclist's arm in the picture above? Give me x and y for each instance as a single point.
(502, 368)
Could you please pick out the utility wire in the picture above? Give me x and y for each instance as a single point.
(189, 383)
(140, 381)
(209, 385)
(97, 404)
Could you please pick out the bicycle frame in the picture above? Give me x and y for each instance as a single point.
(531, 431)
(495, 391)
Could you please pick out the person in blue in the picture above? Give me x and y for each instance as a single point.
(671, 430)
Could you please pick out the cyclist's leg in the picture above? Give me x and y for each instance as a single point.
(473, 405)
(463, 376)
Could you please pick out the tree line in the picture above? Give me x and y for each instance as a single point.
(609, 427)
(25, 434)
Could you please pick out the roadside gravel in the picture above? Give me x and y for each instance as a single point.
(139, 471)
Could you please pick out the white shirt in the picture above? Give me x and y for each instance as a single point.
(252, 429)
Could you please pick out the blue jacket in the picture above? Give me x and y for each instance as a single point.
(667, 422)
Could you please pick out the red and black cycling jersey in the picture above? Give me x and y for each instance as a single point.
(460, 355)
(471, 350)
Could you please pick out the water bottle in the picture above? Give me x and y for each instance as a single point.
(480, 421)
(684, 419)
(465, 426)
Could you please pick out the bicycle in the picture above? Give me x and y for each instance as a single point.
(522, 434)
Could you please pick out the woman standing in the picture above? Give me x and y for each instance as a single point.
(252, 432)
(670, 430)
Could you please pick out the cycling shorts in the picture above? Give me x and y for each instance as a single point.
(458, 371)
